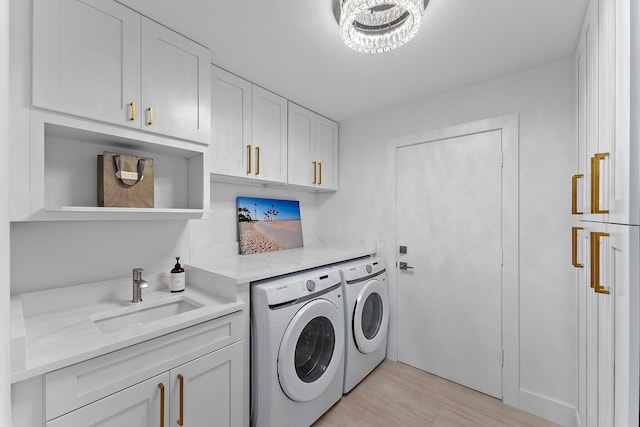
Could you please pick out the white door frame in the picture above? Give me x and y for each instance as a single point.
(509, 127)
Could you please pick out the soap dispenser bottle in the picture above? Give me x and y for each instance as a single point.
(177, 277)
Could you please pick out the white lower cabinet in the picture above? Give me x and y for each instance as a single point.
(609, 305)
(187, 378)
(194, 394)
(208, 390)
(140, 405)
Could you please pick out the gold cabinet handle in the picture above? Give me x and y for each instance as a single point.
(248, 159)
(315, 174)
(181, 419)
(133, 110)
(150, 115)
(574, 194)
(320, 179)
(595, 262)
(574, 247)
(161, 387)
(595, 183)
(257, 161)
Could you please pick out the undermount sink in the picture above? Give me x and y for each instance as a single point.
(141, 314)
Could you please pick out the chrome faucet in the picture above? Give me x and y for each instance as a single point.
(138, 285)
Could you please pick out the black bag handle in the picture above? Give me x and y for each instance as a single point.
(141, 162)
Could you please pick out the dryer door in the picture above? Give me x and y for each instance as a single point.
(311, 350)
(371, 316)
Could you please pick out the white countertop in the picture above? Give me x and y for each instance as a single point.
(250, 268)
(56, 327)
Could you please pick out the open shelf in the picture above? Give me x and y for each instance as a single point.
(63, 171)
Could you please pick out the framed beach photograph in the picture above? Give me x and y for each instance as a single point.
(266, 225)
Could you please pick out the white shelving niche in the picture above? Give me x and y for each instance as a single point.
(63, 171)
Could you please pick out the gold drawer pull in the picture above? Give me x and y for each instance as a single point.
(257, 161)
(320, 167)
(248, 159)
(595, 183)
(161, 387)
(574, 194)
(150, 116)
(315, 173)
(595, 263)
(133, 110)
(181, 419)
(574, 247)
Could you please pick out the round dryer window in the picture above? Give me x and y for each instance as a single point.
(311, 350)
(371, 316)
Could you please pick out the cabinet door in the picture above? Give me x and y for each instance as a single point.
(176, 84)
(230, 123)
(579, 178)
(621, 264)
(86, 59)
(208, 390)
(327, 153)
(140, 405)
(590, 35)
(269, 135)
(613, 358)
(302, 163)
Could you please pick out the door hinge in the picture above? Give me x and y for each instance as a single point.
(501, 258)
(502, 358)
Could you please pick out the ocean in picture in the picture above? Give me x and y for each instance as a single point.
(267, 225)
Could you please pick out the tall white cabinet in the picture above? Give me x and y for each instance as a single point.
(605, 197)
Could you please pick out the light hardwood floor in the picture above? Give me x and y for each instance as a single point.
(396, 394)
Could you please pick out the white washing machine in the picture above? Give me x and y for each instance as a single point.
(366, 308)
(297, 348)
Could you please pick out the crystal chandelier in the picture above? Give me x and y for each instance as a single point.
(374, 26)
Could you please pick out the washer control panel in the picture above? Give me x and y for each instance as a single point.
(359, 269)
(291, 287)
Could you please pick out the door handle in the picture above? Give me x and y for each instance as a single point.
(405, 266)
(595, 263)
(315, 173)
(161, 387)
(574, 247)
(181, 418)
(257, 161)
(595, 183)
(248, 159)
(574, 194)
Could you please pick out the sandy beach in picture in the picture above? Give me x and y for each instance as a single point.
(267, 225)
(257, 237)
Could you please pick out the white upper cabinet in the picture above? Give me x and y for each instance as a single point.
(313, 150)
(607, 180)
(100, 60)
(249, 131)
(176, 89)
(86, 59)
(269, 135)
(230, 123)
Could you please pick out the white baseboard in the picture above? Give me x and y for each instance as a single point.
(553, 410)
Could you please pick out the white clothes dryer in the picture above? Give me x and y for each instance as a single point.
(297, 348)
(366, 302)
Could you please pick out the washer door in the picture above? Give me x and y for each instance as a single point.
(311, 350)
(371, 316)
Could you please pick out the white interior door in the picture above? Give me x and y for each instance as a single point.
(449, 217)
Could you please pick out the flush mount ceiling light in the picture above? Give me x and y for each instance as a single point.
(374, 26)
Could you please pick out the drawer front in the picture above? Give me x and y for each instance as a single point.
(72, 387)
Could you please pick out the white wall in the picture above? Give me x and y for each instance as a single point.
(5, 369)
(219, 234)
(544, 99)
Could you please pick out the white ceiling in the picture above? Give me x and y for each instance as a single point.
(293, 47)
